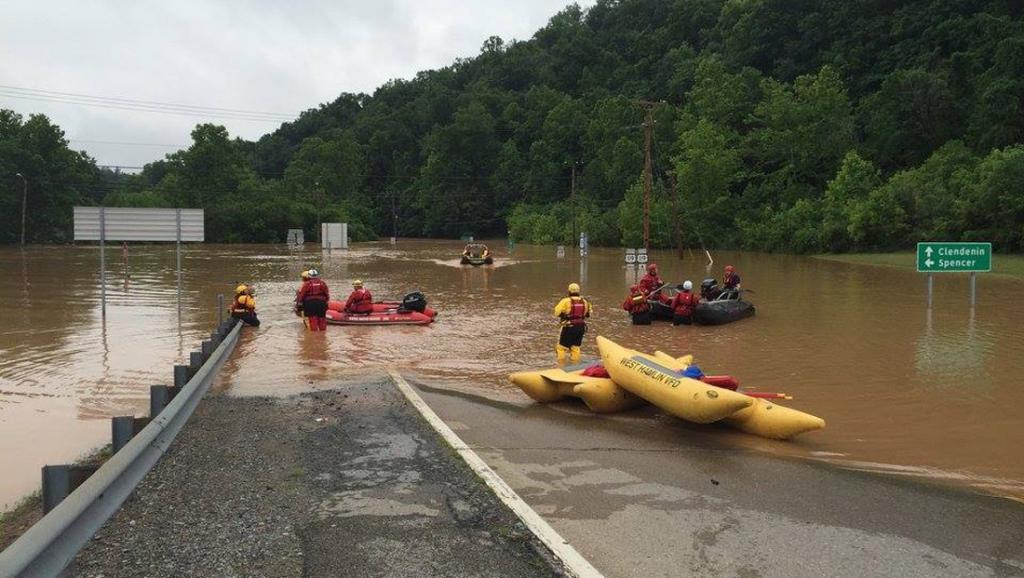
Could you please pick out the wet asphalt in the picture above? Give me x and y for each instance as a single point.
(645, 494)
(344, 482)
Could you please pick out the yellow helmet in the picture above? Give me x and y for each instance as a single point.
(304, 275)
(241, 289)
(574, 288)
(357, 283)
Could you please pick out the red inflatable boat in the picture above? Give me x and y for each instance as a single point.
(412, 310)
(386, 317)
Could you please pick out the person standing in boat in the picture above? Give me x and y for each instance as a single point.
(313, 297)
(651, 282)
(573, 312)
(243, 306)
(731, 281)
(684, 304)
(360, 301)
(637, 306)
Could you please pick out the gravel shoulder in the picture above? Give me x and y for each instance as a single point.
(346, 482)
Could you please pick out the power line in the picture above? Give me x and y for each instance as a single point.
(138, 144)
(158, 109)
(131, 101)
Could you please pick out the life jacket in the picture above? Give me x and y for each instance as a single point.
(314, 290)
(649, 283)
(360, 301)
(731, 281)
(637, 303)
(684, 304)
(577, 311)
(243, 304)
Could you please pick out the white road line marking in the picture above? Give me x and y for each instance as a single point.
(574, 563)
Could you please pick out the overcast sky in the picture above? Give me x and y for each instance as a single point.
(265, 56)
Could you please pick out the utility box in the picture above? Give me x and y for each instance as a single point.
(333, 236)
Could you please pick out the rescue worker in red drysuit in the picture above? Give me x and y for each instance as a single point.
(313, 297)
(731, 280)
(684, 304)
(637, 306)
(650, 283)
(359, 302)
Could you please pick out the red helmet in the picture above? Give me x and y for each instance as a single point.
(729, 268)
(652, 267)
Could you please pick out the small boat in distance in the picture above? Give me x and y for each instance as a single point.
(476, 254)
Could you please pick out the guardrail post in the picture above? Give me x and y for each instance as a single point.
(159, 396)
(56, 486)
(220, 308)
(181, 375)
(215, 338)
(122, 430)
(207, 349)
(196, 360)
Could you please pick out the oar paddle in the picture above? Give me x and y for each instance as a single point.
(766, 395)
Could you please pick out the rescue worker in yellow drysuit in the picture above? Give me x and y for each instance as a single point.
(573, 312)
(244, 306)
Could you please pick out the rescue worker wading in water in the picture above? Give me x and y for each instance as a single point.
(244, 306)
(637, 306)
(359, 301)
(573, 311)
(313, 297)
(304, 276)
(684, 304)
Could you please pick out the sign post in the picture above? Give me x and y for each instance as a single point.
(939, 257)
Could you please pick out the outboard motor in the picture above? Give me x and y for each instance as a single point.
(414, 301)
(709, 289)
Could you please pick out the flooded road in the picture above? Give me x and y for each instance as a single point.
(903, 391)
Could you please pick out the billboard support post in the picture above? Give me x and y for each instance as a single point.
(177, 242)
(103, 262)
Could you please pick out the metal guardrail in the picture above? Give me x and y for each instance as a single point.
(53, 542)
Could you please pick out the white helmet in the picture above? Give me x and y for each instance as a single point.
(314, 273)
(688, 286)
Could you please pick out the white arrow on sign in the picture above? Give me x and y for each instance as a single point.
(929, 263)
(928, 253)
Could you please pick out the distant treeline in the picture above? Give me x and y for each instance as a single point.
(789, 125)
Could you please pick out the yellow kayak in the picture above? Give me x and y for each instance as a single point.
(658, 381)
(600, 394)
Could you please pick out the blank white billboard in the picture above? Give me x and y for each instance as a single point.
(334, 235)
(138, 224)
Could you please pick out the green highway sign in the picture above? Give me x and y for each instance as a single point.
(954, 257)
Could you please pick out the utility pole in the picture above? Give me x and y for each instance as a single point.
(675, 213)
(24, 199)
(572, 201)
(648, 125)
(394, 215)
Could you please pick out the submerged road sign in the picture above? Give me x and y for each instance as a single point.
(954, 257)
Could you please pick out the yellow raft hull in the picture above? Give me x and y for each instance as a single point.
(657, 381)
(771, 420)
(600, 394)
(763, 418)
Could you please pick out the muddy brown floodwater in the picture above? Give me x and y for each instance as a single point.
(935, 396)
